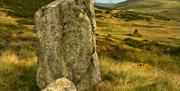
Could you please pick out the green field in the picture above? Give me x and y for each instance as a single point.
(147, 61)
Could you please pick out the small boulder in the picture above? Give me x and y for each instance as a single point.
(62, 84)
(136, 33)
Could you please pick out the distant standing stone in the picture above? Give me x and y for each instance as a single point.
(137, 33)
(67, 44)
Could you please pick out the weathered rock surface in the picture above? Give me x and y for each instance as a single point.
(67, 44)
(62, 84)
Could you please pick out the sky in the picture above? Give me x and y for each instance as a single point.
(107, 1)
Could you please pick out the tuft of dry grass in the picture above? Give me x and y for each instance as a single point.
(15, 74)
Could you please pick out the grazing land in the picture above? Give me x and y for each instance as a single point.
(147, 60)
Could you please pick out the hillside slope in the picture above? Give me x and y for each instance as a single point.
(167, 8)
(23, 8)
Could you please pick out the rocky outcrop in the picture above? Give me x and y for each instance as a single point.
(62, 84)
(136, 33)
(67, 44)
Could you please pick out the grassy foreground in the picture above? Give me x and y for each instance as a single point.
(17, 75)
(130, 76)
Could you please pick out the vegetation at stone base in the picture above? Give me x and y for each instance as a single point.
(128, 63)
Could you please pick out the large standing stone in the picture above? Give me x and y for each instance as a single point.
(67, 44)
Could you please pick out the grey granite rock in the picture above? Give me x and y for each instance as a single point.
(62, 84)
(67, 43)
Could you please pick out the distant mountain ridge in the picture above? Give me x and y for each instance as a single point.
(132, 4)
(104, 4)
(167, 8)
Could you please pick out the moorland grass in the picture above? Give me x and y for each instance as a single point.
(15, 74)
(127, 63)
(130, 76)
(24, 8)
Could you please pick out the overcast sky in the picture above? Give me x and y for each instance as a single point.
(107, 1)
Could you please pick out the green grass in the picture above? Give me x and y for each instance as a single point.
(24, 8)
